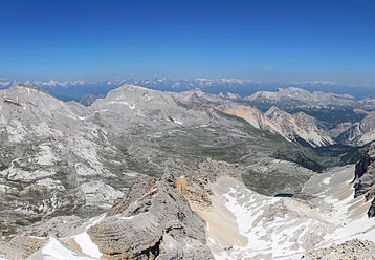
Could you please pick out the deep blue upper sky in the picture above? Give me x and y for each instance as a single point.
(280, 40)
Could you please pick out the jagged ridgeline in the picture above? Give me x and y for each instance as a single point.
(63, 158)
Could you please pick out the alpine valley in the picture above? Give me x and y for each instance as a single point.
(139, 173)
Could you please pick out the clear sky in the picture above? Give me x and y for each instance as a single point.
(280, 40)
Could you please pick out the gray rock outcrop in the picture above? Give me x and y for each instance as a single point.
(153, 221)
(352, 249)
(364, 179)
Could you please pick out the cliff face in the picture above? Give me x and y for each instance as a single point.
(362, 132)
(364, 179)
(298, 125)
(291, 126)
(252, 115)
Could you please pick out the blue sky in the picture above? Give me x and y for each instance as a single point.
(280, 40)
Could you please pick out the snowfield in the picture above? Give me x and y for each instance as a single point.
(285, 228)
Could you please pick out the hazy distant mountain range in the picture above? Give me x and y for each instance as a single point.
(77, 90)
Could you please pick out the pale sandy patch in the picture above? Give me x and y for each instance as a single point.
(72, 245)
(222, 229)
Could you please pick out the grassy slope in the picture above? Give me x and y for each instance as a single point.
(241, 144)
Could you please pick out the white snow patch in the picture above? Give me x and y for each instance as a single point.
(123, 103)
(176, 121)
(54, 250)
(327, 180)
(126, 218)
(84, 241)
(131, 174)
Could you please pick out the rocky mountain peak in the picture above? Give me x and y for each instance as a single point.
(281, 94)
(198, 95)
(275, 111)
(25, 107)
(23, 94)
(229, 95)
(129, 92)
(294, 96)
(252, 115)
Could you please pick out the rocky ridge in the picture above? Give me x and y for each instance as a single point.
(360, 133)
(291, 126)
(302, 97)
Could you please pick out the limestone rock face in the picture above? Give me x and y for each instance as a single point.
(340, 129)
(253, 116)
(53, 160)
(20, 247)
(298, 126)
(361, 133)
(364, 180)
(291, 126)
(152, 221)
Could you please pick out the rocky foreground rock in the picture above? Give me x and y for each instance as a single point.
(350, 250)
(208, 213)
(152, 221)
